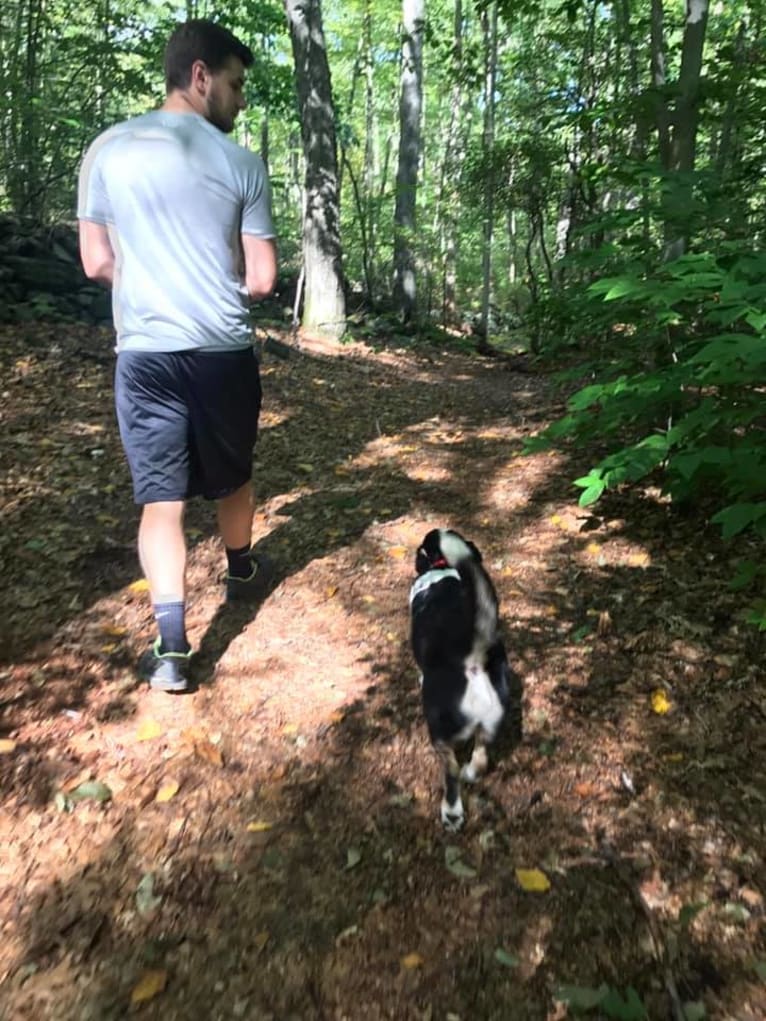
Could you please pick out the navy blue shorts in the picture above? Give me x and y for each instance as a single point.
(188, 421)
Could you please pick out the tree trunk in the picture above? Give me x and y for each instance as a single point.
(489, 21)
(324, 309)
(410, 108)
(678, 146)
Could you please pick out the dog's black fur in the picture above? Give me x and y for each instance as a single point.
(455, 639)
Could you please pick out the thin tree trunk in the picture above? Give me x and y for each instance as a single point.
(324, 309)
(489, 21)
(410, 107)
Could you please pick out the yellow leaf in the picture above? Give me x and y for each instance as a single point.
(368, 599)
(639, 559)
(289, 729)
(661, 704)
(551, 610)
(412, 961)
(330, 591)
(167, 791)
(533, 880)
(6, 746)
(674, 757)
(109, 649)
(148, 729)
(150, 984)
(259, 826)
(307, 468)
(142, 585)
(593, 548)
(556, 519)
(114, 631)
(399, 552)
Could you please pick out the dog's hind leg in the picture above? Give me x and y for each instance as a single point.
(452, 813)
(477, 767)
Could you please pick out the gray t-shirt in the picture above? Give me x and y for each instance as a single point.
(175, 194)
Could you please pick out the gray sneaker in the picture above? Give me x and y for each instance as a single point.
(256, 586)
(165, 671)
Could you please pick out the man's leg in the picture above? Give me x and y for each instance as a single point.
(162, 551)
(248, 577)
(235, 518)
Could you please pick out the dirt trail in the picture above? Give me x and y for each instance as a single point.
(297, 870)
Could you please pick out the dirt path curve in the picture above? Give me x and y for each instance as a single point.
(267, 847)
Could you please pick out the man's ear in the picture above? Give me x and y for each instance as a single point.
(200, 75)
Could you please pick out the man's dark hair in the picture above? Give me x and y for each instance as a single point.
(199, 39)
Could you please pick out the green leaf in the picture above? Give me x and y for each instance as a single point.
(454, 862)
(760, 969)
(581, 997)
(629, 1009)
(353, 857)
(737, 517)
(592, 493)
(506, 959)
(91, 789)
(694, 1011)
(689, 912)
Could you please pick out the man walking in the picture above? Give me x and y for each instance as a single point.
(176, 218)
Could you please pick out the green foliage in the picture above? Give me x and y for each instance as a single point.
(609, 1001)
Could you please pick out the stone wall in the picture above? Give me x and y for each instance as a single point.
(41, 276)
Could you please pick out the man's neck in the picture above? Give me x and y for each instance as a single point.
(180, 102)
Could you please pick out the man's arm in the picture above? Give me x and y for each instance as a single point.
(260, 265)
(96, 252)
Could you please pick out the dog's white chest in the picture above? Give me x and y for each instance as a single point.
(480, 703)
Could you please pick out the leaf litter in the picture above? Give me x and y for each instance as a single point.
(429, 439)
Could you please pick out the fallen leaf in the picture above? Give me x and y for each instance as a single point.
(259, 826)
(593, 548)
(585, 790)
(142, 585)
(6, 746)
(91, 789)
(109, 649)
(289, 729)
(330, 591)
(261, 939)
(398, 552)
(167, 791)
(454, 862)
(353, 857)
(368, 599)
(148, 729)
(533, 880)
(307, 468)
(207, 751)
(555, 519)
(503, 957)
(412, 961)
(638, 559)
(146, 901)
(149, 985)
(661, 704)
(114, 631)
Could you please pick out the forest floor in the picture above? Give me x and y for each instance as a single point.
(268, 846)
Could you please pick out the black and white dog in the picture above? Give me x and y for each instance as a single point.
(465, 676)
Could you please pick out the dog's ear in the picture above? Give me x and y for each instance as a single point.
(422, 563)
(474, 549)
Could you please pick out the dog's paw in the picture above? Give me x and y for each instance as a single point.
(453, 815)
